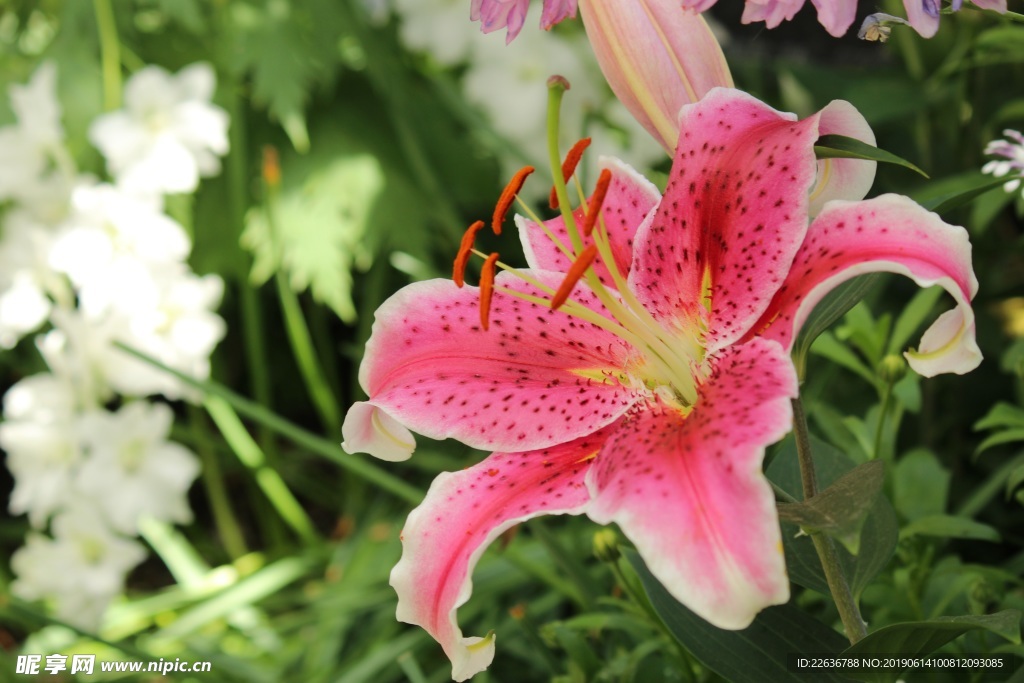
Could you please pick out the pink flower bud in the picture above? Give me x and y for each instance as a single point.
(656, 57)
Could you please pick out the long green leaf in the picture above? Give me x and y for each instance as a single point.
(924, 637)
(842, 147)
(754, 655)
(361, 467)
(830, 309)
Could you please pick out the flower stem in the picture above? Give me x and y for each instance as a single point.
(110, 50)
(228, 528)
(849, 613)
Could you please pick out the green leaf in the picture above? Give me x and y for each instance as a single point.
(831, 308)
(317, 229)
(837, 352)
(878, 537)
(949, 526)
(755, 654)
(968, 187)
(842, 147)
(1002, 414)
(1008, 436)
(924, 637)
(840, 510)
(920, 485)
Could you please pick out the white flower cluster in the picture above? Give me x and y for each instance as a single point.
(96, 264)
(508, 84)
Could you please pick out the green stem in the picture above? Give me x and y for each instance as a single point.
(361, 467)
(882, 413)
(849, 613)
(110, 51)
(305, 355)
(268, 479)
(224, 518)
(639, 598)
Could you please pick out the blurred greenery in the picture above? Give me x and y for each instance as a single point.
(284, 574)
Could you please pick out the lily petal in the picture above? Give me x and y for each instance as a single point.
(732, 218)
(630, 198)
(690, 493)
(368, 429)
(849, 179)
(460, 516)
(889, 233)
(537, 377)
(656, 57)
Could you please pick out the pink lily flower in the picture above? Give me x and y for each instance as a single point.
(648, 397)
(511, 14)
(835, 15)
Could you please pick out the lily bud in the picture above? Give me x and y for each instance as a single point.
(656, 57)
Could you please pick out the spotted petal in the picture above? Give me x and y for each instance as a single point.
(690, 494)
(460, 516)
(536, 378)
(630, 198)
(733, 216)
(889, 233)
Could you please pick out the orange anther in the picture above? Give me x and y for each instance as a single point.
(596, 200)
(487, 289)
(508, 195)
(576, 270)
(572, 159)
(465, 249)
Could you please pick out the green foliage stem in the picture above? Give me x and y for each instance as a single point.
(315, 444)
(110, 51)
(839, 587)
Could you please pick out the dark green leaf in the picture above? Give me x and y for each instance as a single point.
(924, 637)
(1002, 415)
(912, 317)
(753, 655)
(878, 537)
(842, 147)
(971, 187)
(840, 509)
(920, 485)
(831, 308)
(948, 526)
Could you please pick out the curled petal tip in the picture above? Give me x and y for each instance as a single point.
(368, 429)
(947, 346)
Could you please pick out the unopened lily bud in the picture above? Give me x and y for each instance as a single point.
(606, 545)
(892, 368)
(656, 57)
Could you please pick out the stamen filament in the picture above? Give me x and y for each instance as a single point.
(572, 159)
(532, 215)
(508, 195)
(465, 249)
(487, 289)
(576, 270)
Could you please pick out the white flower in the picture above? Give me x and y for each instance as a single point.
(180, 328)
(168, 134)
(28, 147)
(25, 276)
(40, 434)
(82, 568)
(131, 470)
(1012, 161)
(111, 240)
